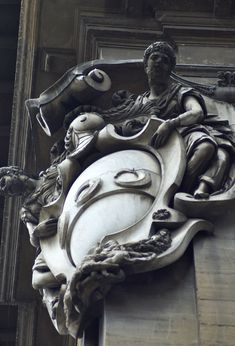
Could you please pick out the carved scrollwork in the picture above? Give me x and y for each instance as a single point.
(119, 196)
(132, 178)
(87, 190)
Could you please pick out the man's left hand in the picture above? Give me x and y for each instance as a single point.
(161, 135)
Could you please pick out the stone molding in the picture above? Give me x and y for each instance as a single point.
(19, 143)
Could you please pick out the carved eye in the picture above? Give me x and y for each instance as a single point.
(83, 118)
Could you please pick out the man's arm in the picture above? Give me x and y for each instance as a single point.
(193, 114)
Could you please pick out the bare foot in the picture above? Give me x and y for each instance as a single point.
(202, 191)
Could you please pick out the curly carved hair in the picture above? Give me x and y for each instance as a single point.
(11, 171)
(163, 47)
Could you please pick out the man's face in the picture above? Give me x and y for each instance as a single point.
(12, 185)
(158, 66)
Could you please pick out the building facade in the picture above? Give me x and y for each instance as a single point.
(194, 298)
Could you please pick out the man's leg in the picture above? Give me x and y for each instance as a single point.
(215, 176)
(198, 164)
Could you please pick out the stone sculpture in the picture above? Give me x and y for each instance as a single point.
(137, 156)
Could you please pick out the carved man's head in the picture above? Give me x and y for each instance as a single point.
(13, 181)
(160, 47)
(159, 60)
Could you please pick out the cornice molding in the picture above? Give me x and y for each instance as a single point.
(202, 71)
(197, 27)
(112, 31)
(93, 30)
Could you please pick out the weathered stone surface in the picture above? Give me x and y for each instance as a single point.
(215, 282)
(156, 308)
